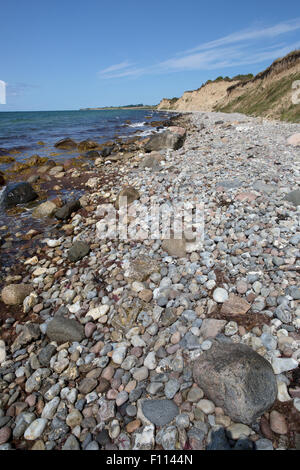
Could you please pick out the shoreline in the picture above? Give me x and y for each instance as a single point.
(138, 334)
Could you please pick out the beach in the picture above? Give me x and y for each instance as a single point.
(101, 337)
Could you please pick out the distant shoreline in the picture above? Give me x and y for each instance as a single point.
(117, 107)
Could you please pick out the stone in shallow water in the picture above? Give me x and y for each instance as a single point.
(159, 412)
(236, 379)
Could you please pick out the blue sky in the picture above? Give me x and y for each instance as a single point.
(71, 54)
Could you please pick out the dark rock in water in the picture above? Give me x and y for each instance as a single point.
(243, 444)
(107, 151)
(164, 140)
(62, 329)
(92, 154)
(2, 179)
(66, 144)
(86, 145)
(78, 250)
(65, 211)
(294, 197)
(219, 441)
(236, 379)
(3, 152)
(159, 412)
(17, 193)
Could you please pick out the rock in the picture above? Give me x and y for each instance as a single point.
(263, 444)
(218, 441)
(35, 429)
(293, 197)
(243, 444)
(171, 388)
(65, 211)
(282, 364)
(78, 250)
(2, 351)
(119, 354)
(145, 439)
(92, 154)
(238, 430)
(127, 196)
(17, 193)
(87, 385)
(62, 329)
(2, 179)
(150, 360)
(278, 423)
(45, 354)
(206, 406)
(141, 268)
(34, 382)
(5, 434)
(153, 161)
(235, 305)
(14, 294)
(159, 412)
(106, 151)
(167, 437)
(46, 209)
(50, 408)
(165, 140)
(236, 379)
(66, 144)
(71, 443)
(294, 140)
(210, 327)
(174, 247)
(220, 295)
(86, 145)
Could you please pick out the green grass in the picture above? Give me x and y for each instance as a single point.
(261, 101)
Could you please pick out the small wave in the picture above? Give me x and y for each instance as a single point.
(137, 124)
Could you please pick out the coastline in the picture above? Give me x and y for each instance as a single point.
(137, 336)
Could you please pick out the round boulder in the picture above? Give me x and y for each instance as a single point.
(236, 379)
(14, 294)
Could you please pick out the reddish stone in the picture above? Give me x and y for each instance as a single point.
(5, 434)
(265, 428)
(235, 305)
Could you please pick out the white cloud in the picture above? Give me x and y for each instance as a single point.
(246, 47)
(2, 92)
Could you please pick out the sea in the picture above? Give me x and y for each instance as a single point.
(22, 131)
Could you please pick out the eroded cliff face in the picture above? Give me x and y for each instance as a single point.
(270, 93)
(203, 99)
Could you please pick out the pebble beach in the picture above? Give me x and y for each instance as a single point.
(121, 344)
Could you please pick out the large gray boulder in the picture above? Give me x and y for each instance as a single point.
(236, 379)
(17, 193)
(164, 140)
(62, 329)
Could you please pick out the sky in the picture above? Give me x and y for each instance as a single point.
(70, 54)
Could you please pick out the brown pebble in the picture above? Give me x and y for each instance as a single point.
(133, 426)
